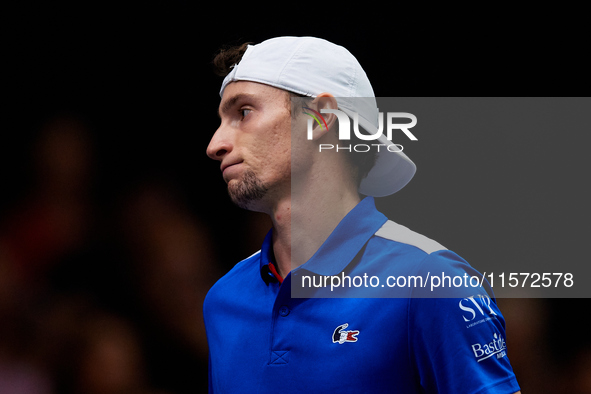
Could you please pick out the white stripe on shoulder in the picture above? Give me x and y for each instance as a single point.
(395, 232)
(252, 255)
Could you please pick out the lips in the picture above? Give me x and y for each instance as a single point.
(230, 170)
(226, 165)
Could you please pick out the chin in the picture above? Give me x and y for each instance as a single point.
(247, 192)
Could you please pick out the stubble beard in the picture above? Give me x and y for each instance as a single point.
(247, 191)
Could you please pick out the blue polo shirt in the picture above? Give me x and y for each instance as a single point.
(389, 334)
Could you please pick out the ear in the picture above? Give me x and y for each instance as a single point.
(322, 122)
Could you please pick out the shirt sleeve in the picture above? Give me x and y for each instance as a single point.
(457, 339)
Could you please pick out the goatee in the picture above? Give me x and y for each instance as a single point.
(247, 190)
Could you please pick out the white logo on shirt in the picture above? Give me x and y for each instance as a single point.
(476, 306)
(496, 346)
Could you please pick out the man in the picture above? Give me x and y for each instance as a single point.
(263, 339)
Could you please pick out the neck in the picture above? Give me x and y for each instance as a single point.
(303, 221)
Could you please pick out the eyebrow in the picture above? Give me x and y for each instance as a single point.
(229, 103)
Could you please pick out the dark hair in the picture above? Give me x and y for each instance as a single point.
(228, 56)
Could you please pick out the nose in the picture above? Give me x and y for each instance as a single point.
(219, 146)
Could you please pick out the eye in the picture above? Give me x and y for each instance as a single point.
(245, 112)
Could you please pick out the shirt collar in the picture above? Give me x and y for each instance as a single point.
(343, 244)
(347, 239)
(266, 257)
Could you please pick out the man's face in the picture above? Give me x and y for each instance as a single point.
(253, 144)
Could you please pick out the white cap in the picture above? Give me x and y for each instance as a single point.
(310, 66)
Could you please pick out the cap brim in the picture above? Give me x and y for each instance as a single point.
(391, 171)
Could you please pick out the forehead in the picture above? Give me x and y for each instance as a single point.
(236, 92)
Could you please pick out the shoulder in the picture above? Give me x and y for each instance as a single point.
(397, 250)
(247, 265)
(397, 243)
(402, 241)
(234, 280)
(395, 232)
